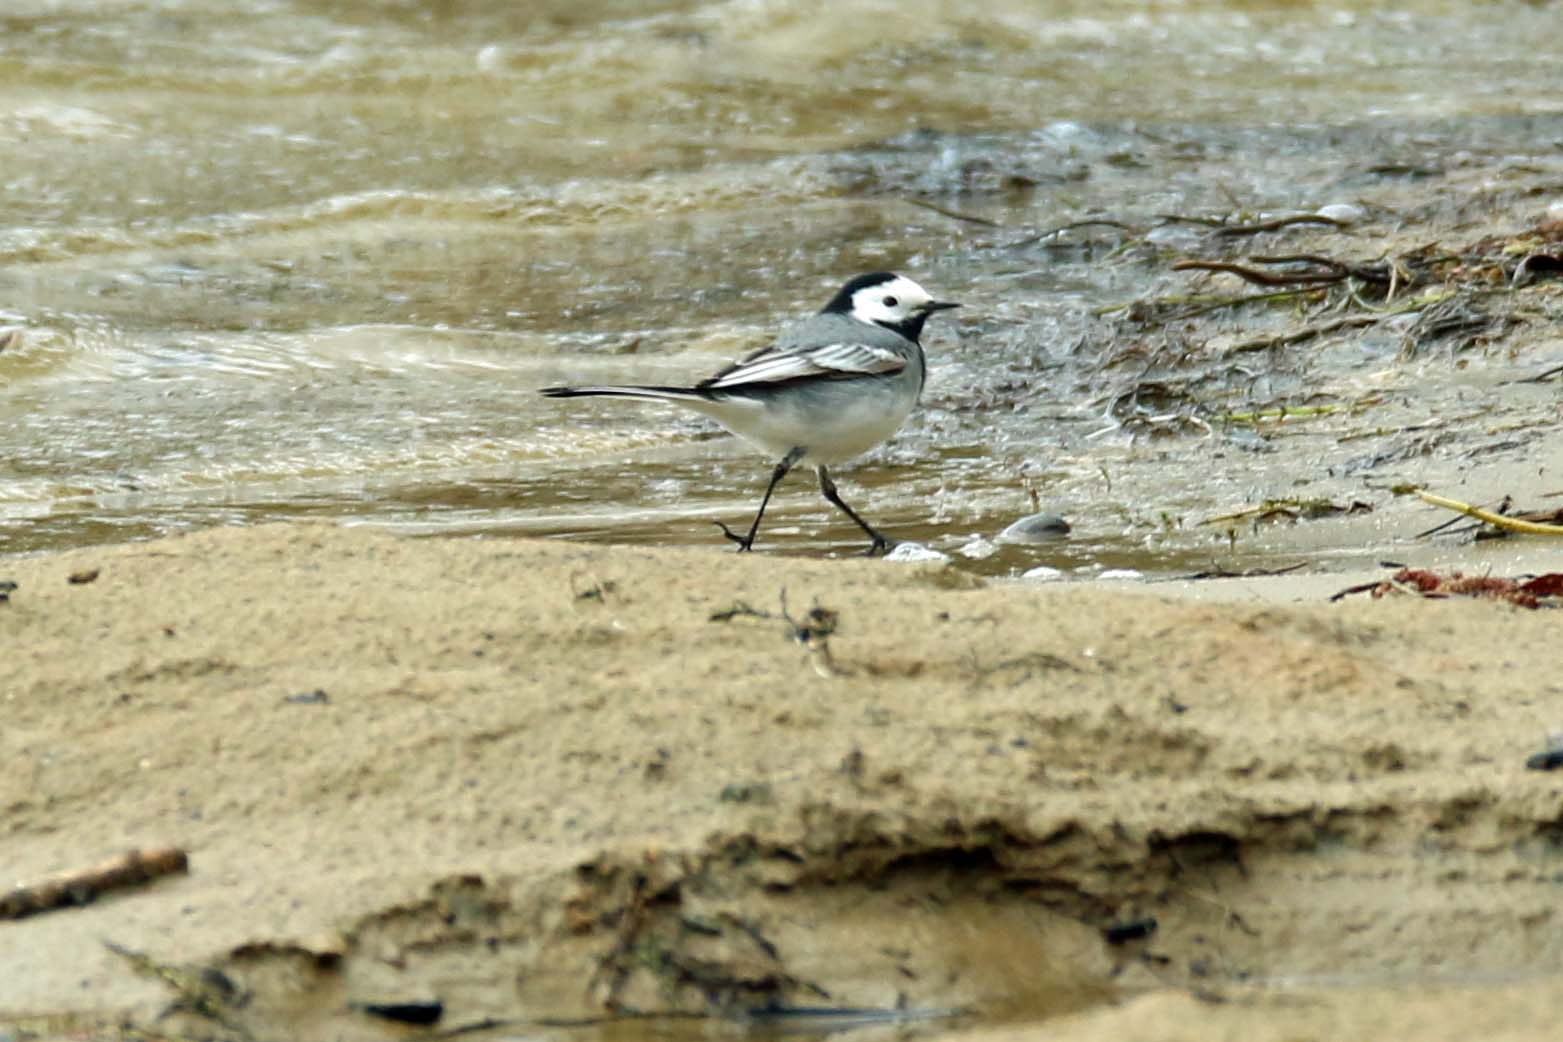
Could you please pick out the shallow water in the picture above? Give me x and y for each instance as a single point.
(313, 259)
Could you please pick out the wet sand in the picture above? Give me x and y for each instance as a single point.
(547, 783)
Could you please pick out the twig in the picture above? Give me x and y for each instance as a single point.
(1349, 591)
(813, 631)
(1250, 298)
(1250, 228)
(1071, 226)
(1503, 508)
(1280, 413)
(739, 608)
(1278, 223)
(1200, 305)
(1293, 509)
(86, 885)
(1261, 278)
(1540, 378)
(205, 991)
(1297, 336)
(1356, 271)
(954, 215)
(1219, 572)
(1409, 428)
(1512, 524)
(1229, 913)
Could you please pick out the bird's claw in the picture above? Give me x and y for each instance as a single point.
(745, 542)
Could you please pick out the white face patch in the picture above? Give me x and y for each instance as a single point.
(889, 303)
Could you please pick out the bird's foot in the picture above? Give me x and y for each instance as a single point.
(879, 547)
(745, 542)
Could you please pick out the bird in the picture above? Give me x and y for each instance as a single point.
(829, 388)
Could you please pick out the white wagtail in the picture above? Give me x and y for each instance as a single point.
(830, 388)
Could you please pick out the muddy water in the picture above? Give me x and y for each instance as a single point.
(313, 259)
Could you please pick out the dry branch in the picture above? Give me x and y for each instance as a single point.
(1257, 277)
(1323, 270)
(84, 886)
(1380, 273)
(1222, 227)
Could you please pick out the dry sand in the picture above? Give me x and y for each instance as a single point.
(545, 784)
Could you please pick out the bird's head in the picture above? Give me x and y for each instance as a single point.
(883, 298)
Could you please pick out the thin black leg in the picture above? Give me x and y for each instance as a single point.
(827, 486)
(746, 542)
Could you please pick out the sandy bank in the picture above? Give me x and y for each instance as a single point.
(548, 781)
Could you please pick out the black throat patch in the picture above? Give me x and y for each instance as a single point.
(912, 328)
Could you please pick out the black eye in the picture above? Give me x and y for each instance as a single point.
(890, 302)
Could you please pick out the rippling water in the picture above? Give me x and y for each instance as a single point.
(313, 258)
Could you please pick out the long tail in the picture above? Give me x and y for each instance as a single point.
(655, 394)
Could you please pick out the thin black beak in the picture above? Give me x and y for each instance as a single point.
(938, 305)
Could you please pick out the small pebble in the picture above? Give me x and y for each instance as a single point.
(746, 792)
(915, 552)
(1034, 528)
(977, 548)
(491, 58)
(1042, 573)
(420, 1013)
(309, 698)
(1122, 573)
(1343, 213)
(1550, 760)
(1131, 930)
